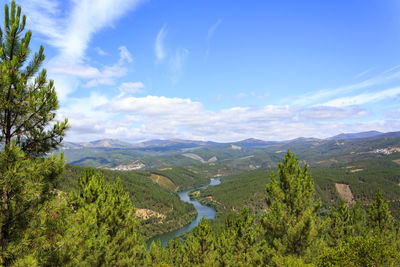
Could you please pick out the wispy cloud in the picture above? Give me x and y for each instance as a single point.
(364, 98)
(212, 29)
(124, 55)
(100, 51)
(159, 48)
(332, 113)
(131, 87)
(177, 62)
(69, 26)
(106, 75)
(316, 98)
(210, 34)
(70, 32)
(363, 73)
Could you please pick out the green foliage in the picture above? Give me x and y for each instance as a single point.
(199, 247)
(239, 241)
(95, 225)
(247, 188)
(360, 251)
(345, 222)
(103, 229)
(363, 177)
(26, 184)
(147, 195)
(44, 236)
(289, 223)
(27, 108)
(379, 217)
(235, 192)
(28, 129)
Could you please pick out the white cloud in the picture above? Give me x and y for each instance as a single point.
(70, 31)
(65, 85)
(159, 48)
(154, 105)
(106, 75)
(131, 87)
(138, 118)
(124, 55)
(69, 26)
(77, 70)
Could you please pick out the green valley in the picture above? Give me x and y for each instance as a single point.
(153, 193)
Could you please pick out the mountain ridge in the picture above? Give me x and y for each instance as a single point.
(115, 143)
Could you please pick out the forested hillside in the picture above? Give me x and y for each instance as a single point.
(364, 177)
(153, 193)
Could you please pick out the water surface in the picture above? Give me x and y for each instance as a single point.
(202, 211)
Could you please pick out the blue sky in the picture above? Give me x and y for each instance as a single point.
(220, 70)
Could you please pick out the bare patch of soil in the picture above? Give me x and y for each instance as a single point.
(356, 170)
(146, 214)
(396, 161)
(163, 181)
(345, 193)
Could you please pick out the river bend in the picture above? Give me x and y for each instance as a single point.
(202, 211)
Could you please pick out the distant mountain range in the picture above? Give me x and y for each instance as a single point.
(103, 143)
(242, 155)
(113, 143)
(355, 135)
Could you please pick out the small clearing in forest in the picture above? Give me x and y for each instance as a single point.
(146, 214)
(345, 193)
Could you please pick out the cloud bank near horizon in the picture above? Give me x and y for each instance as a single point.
(156, 117)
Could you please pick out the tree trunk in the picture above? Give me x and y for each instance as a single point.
(5, 228)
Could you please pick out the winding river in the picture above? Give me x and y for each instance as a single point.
(202, 211)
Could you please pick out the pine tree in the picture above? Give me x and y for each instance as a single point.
(199, 248)
(103, 229)
(27, 103)
(360, 251)
(26, 184)
(345, 222)
(158, 256)
(379, 217)
(28, 129)
(289, 222)
(239, 241)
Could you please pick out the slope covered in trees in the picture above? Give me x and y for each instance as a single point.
(148, 195)
(95, 225)
(363, 177)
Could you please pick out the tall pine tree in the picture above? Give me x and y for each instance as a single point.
(27, 130)
(27, 103)
(289, 222)
(103, 230)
